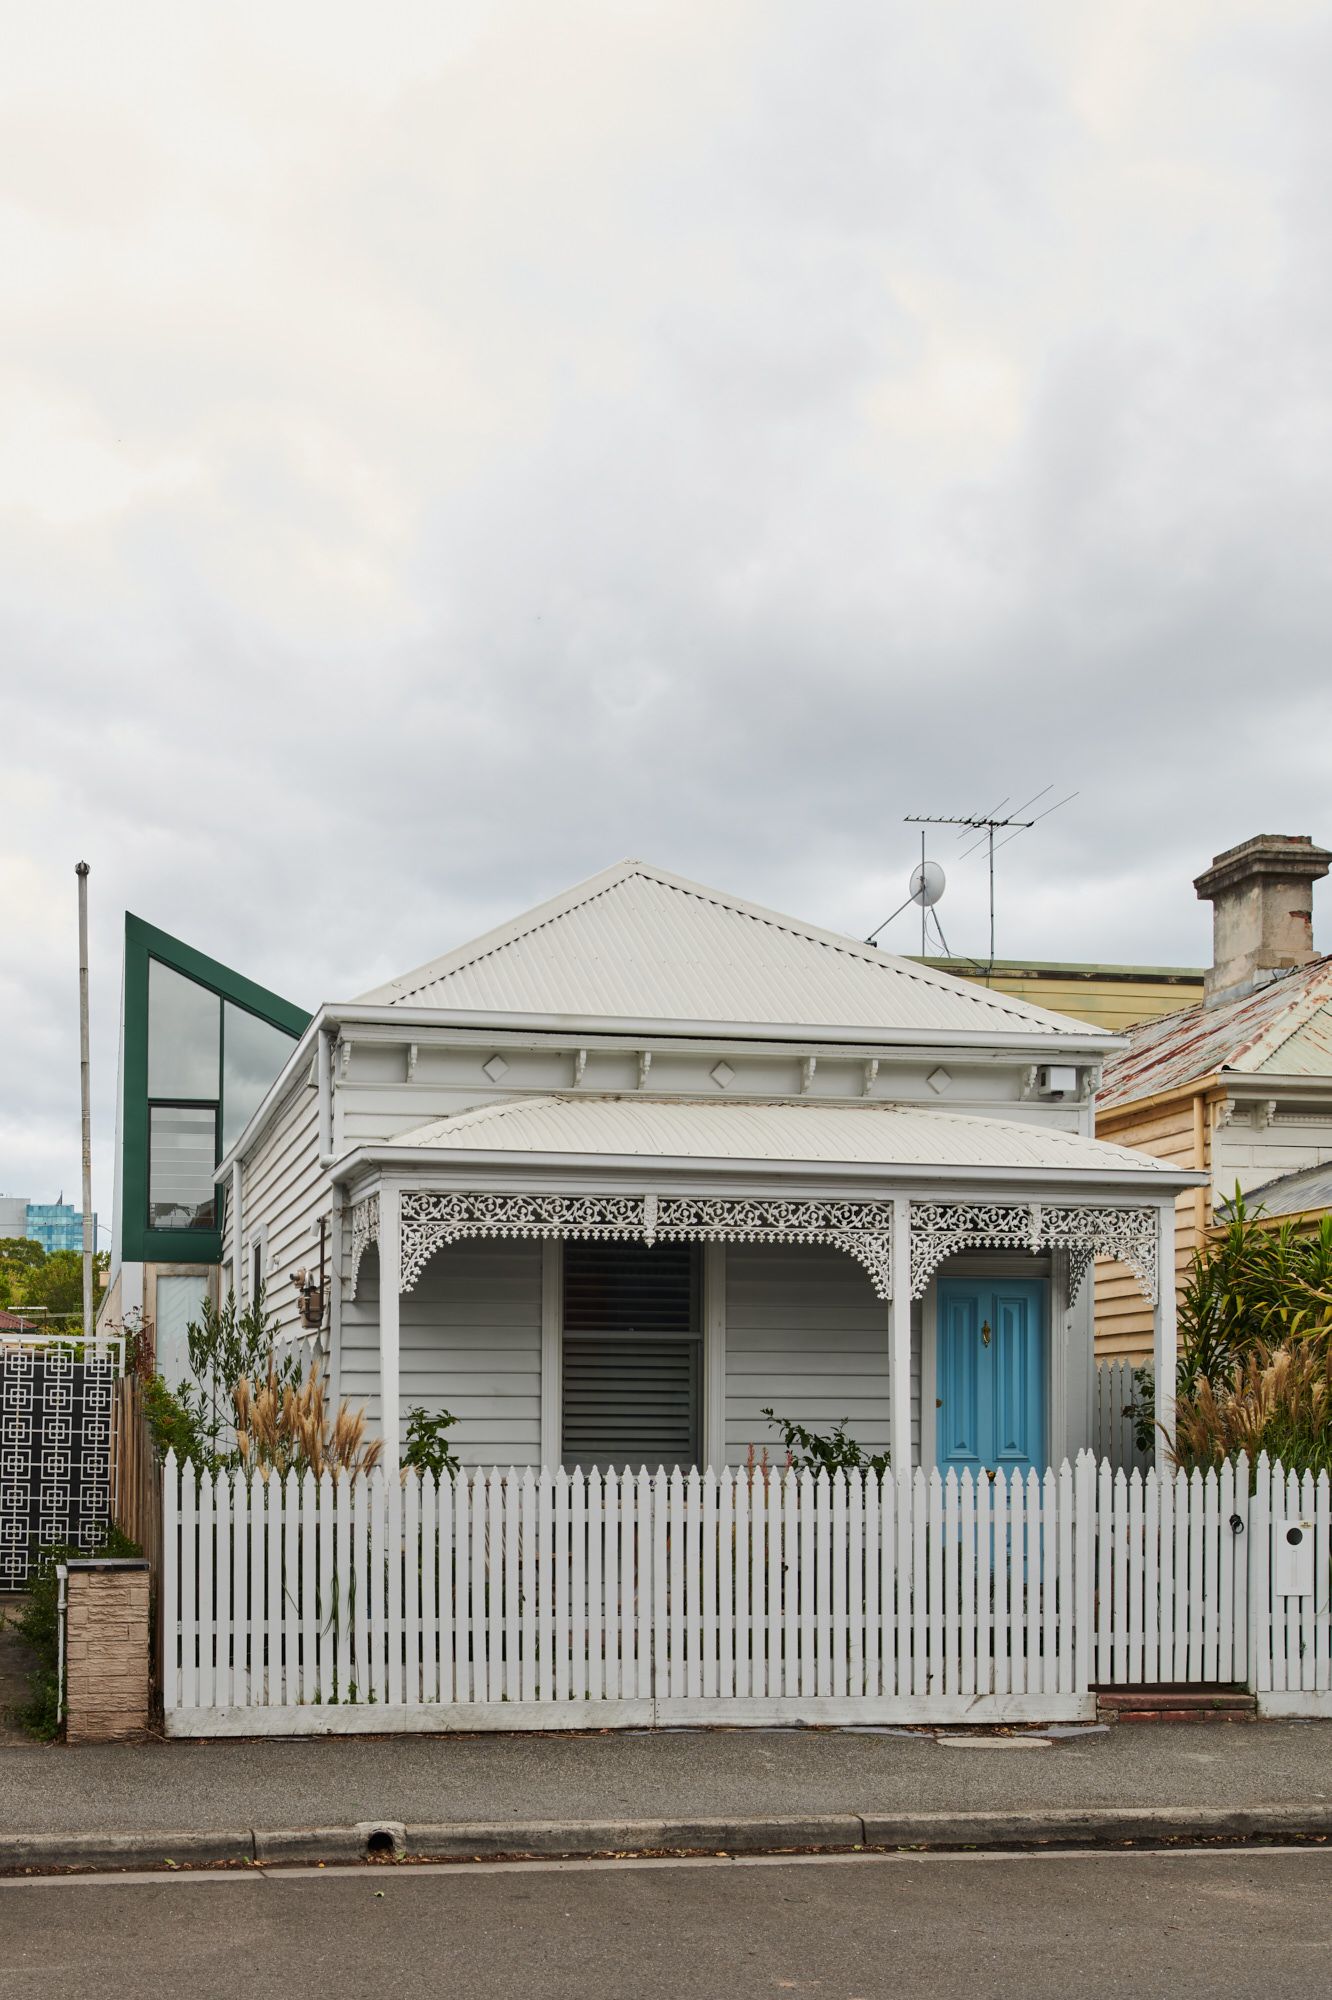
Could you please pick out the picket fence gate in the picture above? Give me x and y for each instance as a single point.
(503, 1599)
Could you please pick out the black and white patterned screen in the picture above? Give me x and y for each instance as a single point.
(55, 1454)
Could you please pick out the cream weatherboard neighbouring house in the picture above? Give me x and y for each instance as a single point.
(1238, 1086)
(612, 1179)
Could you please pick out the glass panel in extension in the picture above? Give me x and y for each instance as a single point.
(182, 1151)
(184, 1035)
(252, 1054)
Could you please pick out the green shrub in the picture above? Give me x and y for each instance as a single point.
(229, 1344)
(810, 1452)
(428, 1450)
(173, 1427)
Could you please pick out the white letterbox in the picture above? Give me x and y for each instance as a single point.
(1293, 1550)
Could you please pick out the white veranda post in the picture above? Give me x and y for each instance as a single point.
(390, 1286)
(1164, 1338)
(899, 1329)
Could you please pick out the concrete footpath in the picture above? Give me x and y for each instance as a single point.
(736, 1790)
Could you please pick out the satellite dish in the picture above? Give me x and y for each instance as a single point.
(927, 883)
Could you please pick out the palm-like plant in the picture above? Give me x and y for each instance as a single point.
(1252, 1285)
(1255, 1349)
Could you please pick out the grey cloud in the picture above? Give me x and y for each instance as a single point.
(706, 433)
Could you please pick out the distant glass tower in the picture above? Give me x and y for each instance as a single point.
(56, 1225)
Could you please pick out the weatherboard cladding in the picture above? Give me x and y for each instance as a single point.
(638, 943)
(285, 1192)
(885, 1135)
(805, 1337)
(1283, 1029)
(470, 1343)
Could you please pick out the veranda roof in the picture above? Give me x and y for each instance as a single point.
(639, 944)
(868, 1135)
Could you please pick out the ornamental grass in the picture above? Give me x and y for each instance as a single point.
(1277, 1400)
(285, 1427)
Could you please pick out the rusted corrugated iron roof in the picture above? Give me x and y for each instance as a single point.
(1304, 1193)
(1283, 1029)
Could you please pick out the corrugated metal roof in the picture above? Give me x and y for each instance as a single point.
(1293, 1194)
(872, 1134)
(1284, 1029)
(637, 943)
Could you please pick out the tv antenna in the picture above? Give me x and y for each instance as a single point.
(927, 878)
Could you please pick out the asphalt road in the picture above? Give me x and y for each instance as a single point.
(1253, 1923)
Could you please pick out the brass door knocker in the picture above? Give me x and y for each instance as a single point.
(985, 1333)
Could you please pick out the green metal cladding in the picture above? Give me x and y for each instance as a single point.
(143, 942)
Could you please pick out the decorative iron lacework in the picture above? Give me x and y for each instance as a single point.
(364, 1232)
(432, 1218)
(940, 1229)
(861, 1228)
(55, 1454)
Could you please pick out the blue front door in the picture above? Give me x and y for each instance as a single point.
(991, 1374)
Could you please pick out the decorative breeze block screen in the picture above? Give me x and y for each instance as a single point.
(55, 1454)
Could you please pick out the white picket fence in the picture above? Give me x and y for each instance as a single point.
(516, 1599)
(1114, 1425)
(1291, 1658)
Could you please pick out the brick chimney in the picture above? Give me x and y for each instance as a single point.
(1261, 894)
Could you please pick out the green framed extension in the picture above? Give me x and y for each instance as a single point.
(253, 1014)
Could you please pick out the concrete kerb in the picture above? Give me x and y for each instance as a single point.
(490, 1840)
(387, 1840)
(44, 1853)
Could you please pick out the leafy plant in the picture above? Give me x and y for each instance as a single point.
(228, 1345)
(172, 1426)
(808, 1451)
(39, 1624)
(428, 1450)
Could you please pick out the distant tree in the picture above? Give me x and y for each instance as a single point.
(20, 1257)
(57, 1283)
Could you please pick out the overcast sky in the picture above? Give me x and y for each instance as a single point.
(446, 448)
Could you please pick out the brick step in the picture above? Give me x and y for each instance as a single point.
(1180, 1703)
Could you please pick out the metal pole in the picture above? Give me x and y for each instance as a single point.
(992, 899)
(922, 887)
(85, 1087)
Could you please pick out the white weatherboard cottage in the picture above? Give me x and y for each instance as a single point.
(613, 1178)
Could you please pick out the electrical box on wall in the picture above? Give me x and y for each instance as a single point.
(1057, 1080)
(1293, 1558)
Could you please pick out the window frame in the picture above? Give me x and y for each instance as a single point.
(693, 1338)
(183, 1104)
(140, 1242)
